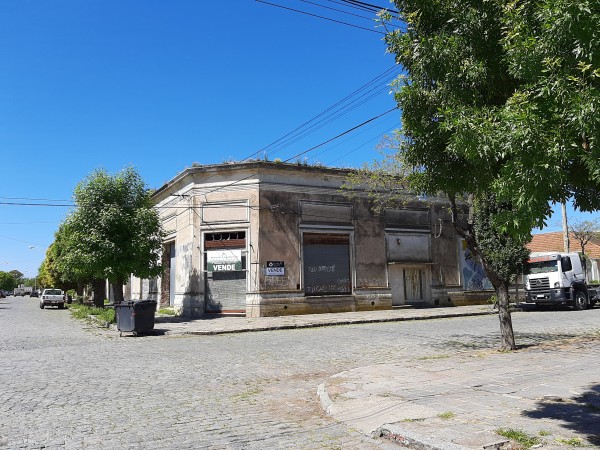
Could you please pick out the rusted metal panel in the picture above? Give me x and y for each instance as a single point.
(409, 247)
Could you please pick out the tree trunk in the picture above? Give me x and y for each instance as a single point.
(99, 292)
(465, 231)
(79, 288)
(117, 290)
(506, 330)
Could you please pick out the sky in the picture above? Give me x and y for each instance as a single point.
(160, 85)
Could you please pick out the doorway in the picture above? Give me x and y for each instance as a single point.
(409, 284)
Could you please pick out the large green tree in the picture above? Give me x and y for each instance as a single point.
(7, 281)
(59, 268)
(113, 232)
(17, 275)
(499, 101)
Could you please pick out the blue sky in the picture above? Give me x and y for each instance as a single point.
(160, 85)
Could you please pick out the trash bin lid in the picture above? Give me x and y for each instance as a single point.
(145, 304)
(125, 304)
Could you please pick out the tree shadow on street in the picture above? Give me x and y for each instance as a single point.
(468, 341)
(580, 414)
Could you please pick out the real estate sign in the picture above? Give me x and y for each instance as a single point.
(224, 260)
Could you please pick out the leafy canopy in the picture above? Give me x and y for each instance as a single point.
(502, 97)
(7, 281)
(113, 232)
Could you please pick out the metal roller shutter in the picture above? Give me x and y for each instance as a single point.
(225, 264)
(326, 264)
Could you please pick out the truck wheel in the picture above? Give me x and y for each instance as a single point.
(592, 304)
(580, 301)
(41, 306)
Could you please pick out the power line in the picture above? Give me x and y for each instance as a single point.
(38, 204)
(320, 17)
(342, 134)
(305, 128)
(309, 150)
(36, 199)
(345, 12)
(230, 184)
(368, 6)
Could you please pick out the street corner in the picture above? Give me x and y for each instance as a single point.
(390, 402)
(368, 397)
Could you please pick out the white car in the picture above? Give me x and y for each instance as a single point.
(52, 297)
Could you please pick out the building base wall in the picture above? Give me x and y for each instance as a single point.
(283, 303)
(464, 298)
(189, 305)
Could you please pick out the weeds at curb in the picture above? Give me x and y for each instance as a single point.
(519, 437)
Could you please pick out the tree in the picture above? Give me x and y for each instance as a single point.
(7, 281)
(499, 101)
(18, 276)
(584, 232)
(47, 272)
(502, 255)
(113, 232)
(57, 270)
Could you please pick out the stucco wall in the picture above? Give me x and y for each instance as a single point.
(274, 204)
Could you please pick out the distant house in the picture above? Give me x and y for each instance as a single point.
(553, 242)
(264, 238)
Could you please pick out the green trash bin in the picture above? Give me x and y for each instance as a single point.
(135, 316)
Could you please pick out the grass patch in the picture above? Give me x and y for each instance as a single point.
(544, 433)
(519, 437)
(446, 415)
(83, 312)
(426, 358)
(248, 394)
(167, 311)
(573, 442)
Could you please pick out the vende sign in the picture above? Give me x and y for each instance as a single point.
(275, 268)
(224, 260)
(224, 267)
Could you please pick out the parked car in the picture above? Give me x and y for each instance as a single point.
(34, 294)
(52, 297)
(2, 294)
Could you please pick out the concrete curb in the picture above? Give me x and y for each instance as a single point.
(200, 327)
(326, 324)
(396, 434)
(326, 402)
(413, 440)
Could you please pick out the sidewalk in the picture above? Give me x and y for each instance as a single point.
(228, 324)
(551, 395)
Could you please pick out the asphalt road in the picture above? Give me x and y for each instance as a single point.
(68, 384)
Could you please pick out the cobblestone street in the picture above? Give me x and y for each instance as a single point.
(68, 384)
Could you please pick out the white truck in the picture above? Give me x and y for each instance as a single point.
(558, 279)
(52, 297)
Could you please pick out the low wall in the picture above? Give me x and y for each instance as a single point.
(464, 298)
(283, 303)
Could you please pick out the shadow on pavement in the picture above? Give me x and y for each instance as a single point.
(154, 332)
(580, 414)
(491, 341)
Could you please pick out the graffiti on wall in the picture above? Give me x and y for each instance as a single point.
(472, 273)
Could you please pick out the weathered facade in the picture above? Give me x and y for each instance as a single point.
(267, 238)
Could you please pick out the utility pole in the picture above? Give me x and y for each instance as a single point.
(565, 227)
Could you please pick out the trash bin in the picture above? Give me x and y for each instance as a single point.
(135, 316)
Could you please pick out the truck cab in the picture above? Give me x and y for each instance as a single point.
(558, 279)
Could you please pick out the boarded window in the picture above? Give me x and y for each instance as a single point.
(326, 264)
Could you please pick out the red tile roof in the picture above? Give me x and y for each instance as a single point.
(553, 242)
